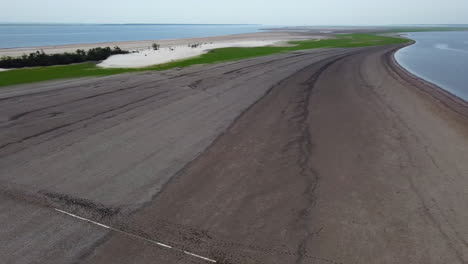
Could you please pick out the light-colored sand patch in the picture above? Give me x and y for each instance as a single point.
(148, 57)
(3, 69)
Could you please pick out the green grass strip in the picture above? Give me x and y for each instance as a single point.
(30, 75)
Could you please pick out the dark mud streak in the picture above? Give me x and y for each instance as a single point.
(58, 135)
(102, 78)
(180, 172)
(20, 115)
(47, 199)
(88, 205)
(305, 145)
(80, 120)
(263, 63)
(63, 88)
(194, 85)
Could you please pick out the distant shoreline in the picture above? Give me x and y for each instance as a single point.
(38, 35)
(20, 39)
(119, 24)
(143, 44)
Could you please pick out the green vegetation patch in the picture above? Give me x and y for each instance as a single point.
(39, 58)
(29, 75)
(37, 74)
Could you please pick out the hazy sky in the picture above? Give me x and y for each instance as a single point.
(272, 12)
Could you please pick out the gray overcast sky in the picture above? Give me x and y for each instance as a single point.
(272, 12)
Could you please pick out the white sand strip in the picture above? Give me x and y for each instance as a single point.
(148, 57)
(3, 69)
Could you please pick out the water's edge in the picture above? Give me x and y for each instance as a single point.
(441, 95)
(441, 67)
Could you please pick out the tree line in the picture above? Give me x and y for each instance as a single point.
(39, 58)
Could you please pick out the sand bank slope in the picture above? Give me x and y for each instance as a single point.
(323, 156)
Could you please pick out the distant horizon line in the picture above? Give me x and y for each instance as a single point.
(72, 23)
(220, 24)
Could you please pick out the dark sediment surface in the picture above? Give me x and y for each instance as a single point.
(324, 156)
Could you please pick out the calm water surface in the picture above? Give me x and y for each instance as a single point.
(440, 58)
(30, 35)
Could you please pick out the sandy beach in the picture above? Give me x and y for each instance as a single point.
(145, 44)
(142, 54)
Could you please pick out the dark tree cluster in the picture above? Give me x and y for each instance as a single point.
(39, 58)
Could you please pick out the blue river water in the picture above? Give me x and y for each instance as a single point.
(30, 35)
(440, 58)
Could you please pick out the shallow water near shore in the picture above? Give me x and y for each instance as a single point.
(440, 58)
(32, 35)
